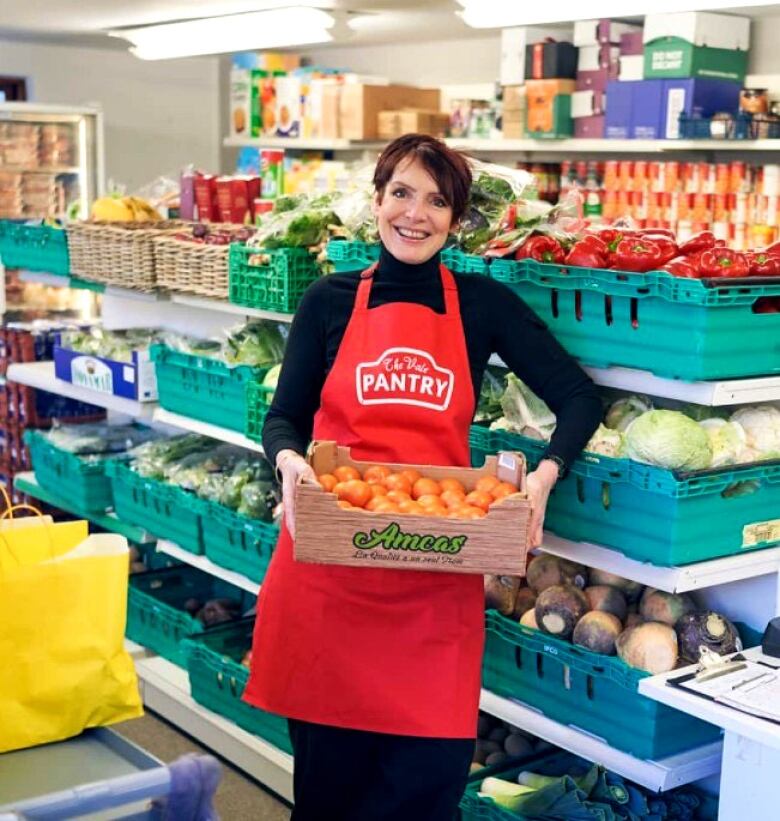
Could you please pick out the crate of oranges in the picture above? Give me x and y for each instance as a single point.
(415, 517)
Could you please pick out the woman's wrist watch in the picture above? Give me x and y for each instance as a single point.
(558, 462)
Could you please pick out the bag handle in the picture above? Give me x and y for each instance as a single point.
(8, 513)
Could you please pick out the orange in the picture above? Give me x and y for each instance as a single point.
(339, 489)
(376, 473)
(410, 506)
(429, 500)
(398, 496)
(386, 507)
(372, 504)
(466, 512)
(452, 484)
(503, 489)
(345, 473)
(343, 503)
(425, 487)
(397, 481)
(356, 492)
(433, 510)
(377, 489)
(411, 474)
(453, 498)
(478, 498)
(486, 484)
(328, 481)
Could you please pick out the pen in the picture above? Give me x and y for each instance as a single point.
(749, 681)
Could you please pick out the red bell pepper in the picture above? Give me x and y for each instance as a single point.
(509, 219)
(542, 249)
(669, 249)
(637, 254)
(653, 233)
(698, 243)
(681, 267)
(764, 263)
(589, 252)
(723, 263)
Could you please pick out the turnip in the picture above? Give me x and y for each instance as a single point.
(669, 608)
(550, 571)
(524, 601)
(500, 593)
(517, 745)
(631, 590)
(651, 647)
(632, 620)
(707, 629)
(559, 608)
(528, 619)
(606, 598)
(597, 631)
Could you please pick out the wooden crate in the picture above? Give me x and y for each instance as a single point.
(495, 544)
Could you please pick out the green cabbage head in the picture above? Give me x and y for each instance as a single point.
(668, 439)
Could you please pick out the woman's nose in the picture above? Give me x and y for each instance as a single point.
(415, 209)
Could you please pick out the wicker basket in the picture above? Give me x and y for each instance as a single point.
(120, 254)
(192, 267)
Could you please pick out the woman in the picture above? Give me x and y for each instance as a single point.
(378, 670)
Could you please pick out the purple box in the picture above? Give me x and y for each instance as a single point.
(594, 58)
(589, 128)
(187, 196)
(699, 97)
(631, 43)
(647, 114)
(620, 101)
(596, 80)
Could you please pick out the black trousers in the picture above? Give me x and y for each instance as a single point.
(353, 775)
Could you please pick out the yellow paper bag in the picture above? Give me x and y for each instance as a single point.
(63, 607)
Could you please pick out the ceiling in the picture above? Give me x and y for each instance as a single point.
(83, 22)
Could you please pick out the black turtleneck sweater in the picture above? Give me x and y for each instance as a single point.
(495, 320)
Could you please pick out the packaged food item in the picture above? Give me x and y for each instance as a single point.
(272, 172)
(240, 102)
(287, 111)
(754, 100)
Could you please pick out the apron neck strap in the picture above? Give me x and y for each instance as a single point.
(451, 302)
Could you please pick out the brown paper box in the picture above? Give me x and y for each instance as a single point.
(514, 98)
(495, 544)
(392, 124)
(329, 124)
(359, 106)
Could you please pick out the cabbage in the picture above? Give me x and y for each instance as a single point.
(623, 412)
(762, 428)
(668, 439)
(525, 412)
(271, 380)
(727, 440)
(607, 442)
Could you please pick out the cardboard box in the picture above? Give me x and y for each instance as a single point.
(513, 44)
(234, 198)
(272, 172)
(595, 32)
(513, 97)
(632, 43)
(596, 80)
(632, 67)
(495, 544)
(593, 58)
(548, 113)
(647, 109)
(550, 60)
(697, 97)
(205, 186)
(720, 31)
(620, 101)
(240, 102)
(590, 128)
(674, 57)
(513, 124)
(359, 106)
(587, 103)
(392, 124)
(288, 111)
(331, 98)
(265, 85)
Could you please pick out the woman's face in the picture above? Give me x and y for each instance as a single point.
(413, 217)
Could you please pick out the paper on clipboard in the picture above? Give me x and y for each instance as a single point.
(754, 689)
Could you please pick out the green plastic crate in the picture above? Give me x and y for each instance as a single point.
(237, 542)
(88, 488)
(34, 247)
(671, 326)
(649, 513)
(258, 400)
(166, 511)
(589, 691)
(218, 679)
(276, 285)
(356, 256)
(204, 388)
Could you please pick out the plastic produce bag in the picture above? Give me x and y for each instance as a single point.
(524, 411)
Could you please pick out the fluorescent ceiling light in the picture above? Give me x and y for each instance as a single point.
(505, 13)
(273, 28)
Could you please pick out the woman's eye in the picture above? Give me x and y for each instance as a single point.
(399, 193)
(439, 203)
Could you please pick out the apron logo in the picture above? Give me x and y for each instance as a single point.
(405, 376)
(393, 538)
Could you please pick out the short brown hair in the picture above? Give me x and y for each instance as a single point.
(449, 168)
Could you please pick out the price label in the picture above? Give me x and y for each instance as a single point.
(760, 532)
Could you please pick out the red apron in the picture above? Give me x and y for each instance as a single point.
(390, 651)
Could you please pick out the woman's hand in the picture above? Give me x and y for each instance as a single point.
(292, 467)
(538, 485)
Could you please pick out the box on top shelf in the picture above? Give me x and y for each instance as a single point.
(597, 80)
(590, 128)
(725, 31)
(588, 103)
(360, 104)
(632, 67)
(593, 58)
(326, 533)
(548, 114)
(392, 124)
(632, 43)
(696, 97)
(647, 109)
(550, 60)
(617, 125)
(596, 32)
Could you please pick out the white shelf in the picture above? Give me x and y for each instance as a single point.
(609, 146)
(323, 144)
(752, 727)
(720, 392)
(670, 579)
(207, 566)
(43, 278)
(41, 375)
(214, 431)
(165, 690)
(664, 774)
(227, 307)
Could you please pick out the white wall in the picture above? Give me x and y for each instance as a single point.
(158, 115)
